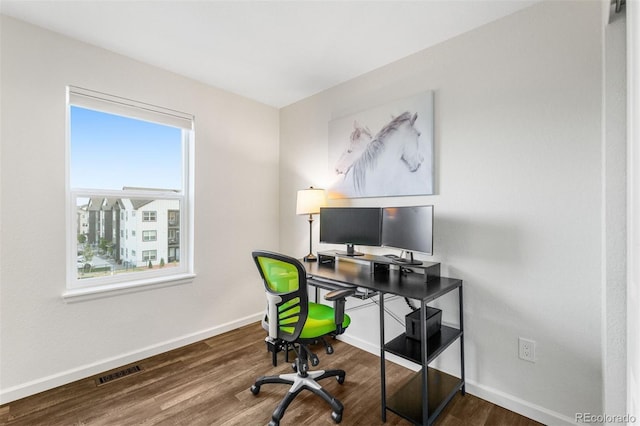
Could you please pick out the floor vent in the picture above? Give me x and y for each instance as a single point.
(118, 375)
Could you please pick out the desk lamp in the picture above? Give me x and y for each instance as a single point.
(309, 202)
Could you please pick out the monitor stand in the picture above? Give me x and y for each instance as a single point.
(407, 260)
(350, 251)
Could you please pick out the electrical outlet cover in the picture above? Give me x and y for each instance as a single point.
(526, 349)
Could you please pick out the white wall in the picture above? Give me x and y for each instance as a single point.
(633, 211)
(46, 342)
(519, 196)
(614, 233)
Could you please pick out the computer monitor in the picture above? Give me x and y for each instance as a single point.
(409, 229)
(351, 226)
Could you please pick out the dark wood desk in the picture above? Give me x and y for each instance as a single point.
(426, 394)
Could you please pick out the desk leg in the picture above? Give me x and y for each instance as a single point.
(461, 342)
(425, 365)
(383, 391)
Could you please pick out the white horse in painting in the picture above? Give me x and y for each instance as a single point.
(358, 141)
(388, 164)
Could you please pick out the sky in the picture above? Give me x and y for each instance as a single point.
(110, 151)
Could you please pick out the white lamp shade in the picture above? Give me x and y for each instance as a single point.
(310, 200)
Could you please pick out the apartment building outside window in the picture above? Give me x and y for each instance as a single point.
(127, 157)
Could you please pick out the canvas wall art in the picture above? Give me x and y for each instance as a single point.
(384, 151)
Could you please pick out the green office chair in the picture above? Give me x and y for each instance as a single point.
(291, 318)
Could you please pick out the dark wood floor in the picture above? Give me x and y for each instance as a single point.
(207, 383)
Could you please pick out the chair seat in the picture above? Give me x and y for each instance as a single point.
(321, 321)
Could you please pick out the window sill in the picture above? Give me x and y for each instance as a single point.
(97, 292)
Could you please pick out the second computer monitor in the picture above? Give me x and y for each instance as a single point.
(408, 228)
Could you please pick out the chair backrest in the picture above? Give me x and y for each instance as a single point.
(285, 283)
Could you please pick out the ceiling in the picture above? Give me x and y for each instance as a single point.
(275, 52)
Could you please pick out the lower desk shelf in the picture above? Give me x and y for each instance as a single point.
(411, 349)
(407, 401)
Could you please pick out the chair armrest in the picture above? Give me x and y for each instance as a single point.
(339, 299)
(334, 295)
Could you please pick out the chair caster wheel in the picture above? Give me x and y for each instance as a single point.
(255, 389)
(337, 417)
(274, 423)
(340, 379)
(314, 360)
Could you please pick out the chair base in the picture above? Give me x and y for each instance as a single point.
(298, 383)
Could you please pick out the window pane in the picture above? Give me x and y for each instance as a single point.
(103, 225)
(113, 152)
(148, 235)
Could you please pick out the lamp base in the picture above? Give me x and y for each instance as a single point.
(310, 258)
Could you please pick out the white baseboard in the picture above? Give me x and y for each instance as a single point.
(65, 377)
(510, 402)
(375, 350)
(517, 405)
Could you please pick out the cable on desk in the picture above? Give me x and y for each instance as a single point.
(389, 312)
(372, 300)
(410, 305)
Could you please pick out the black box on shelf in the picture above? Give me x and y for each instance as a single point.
(326, 259)
(412, 322)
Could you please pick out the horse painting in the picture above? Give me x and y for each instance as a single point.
(358, 141)
(389, 164)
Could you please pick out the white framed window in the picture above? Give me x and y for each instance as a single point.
(126, 157)
(149, 255)
(149, 216)
(149, 236)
